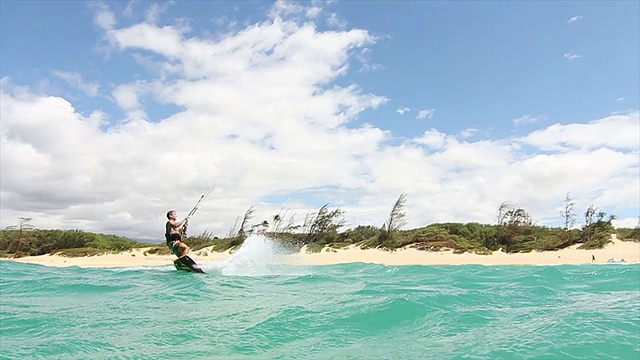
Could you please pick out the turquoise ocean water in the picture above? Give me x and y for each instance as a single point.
(250, 307)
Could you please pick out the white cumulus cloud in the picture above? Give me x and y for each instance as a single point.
(76, 80)
(426, 113)
(528, 119)
(574, 19)
(258, 113)
(569, 56)
(402, 110)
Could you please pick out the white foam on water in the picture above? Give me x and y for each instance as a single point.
(158, 268)
(257, 256)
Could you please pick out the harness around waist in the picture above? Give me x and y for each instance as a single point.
(172, 237)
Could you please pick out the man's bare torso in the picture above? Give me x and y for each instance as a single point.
(171, 227)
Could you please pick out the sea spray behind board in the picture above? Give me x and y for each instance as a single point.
(258, 256)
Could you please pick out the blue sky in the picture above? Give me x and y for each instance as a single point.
(461, 105)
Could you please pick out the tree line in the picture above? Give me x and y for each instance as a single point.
(513, 231)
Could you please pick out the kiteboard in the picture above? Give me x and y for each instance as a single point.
(186, 263)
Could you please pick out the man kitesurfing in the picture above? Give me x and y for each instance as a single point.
(175, 232)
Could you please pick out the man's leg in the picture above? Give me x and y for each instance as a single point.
(185, 249)
(175, 248)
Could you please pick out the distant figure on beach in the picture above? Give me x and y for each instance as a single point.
(593, 258)
(173, 234)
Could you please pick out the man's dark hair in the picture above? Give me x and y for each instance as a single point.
(169, 212)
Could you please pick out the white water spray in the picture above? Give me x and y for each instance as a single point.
(258, 256)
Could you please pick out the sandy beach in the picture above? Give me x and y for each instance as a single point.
(135, 257)
(629, 251)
